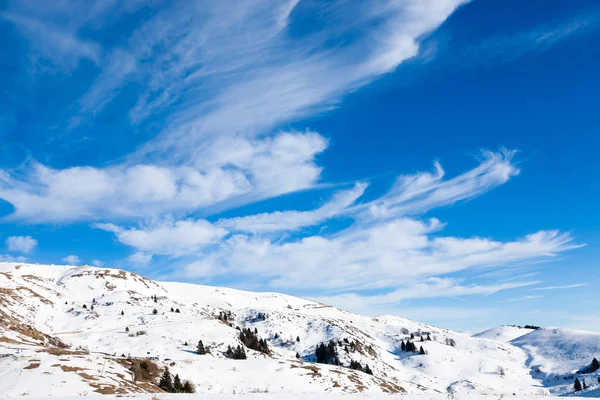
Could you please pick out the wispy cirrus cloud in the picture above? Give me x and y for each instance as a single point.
(519, 299)
(61, 47)
(572, 286)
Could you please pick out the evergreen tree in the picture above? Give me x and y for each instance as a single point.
(577, 385)
(421, 350)
(297, 355)
(200, 349)
(595, 365)
(122, 313)
(403, 346)
(177, 385)
(429, 338)
(298, 340)
(92, 307)
(188, 387)
(412, 335)
(166, 382)
(126, 329)
(84, 306)
(422, 339)
(172, 309)
(368, 370)
(177, 311)
(155, 311)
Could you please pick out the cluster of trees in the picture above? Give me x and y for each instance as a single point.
(327, 354)
(357, 366)
(450, 342)
(534, 327)
(236, 354)
(410, 347)
(224, 316)
(171, 384)
(251, 340)
(154, 298)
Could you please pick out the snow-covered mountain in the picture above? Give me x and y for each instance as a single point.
(84, 330)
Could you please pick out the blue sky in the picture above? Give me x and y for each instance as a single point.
(432, 159)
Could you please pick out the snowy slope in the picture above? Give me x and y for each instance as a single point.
(42, 312)
(557, 354)
(504, 333)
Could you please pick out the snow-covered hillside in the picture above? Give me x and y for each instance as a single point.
(85, 330)
(504, 333)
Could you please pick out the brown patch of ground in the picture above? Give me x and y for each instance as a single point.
(66, 368)
(315, 372)
(356, 380)
(33, 365)
(390, 387)
(56, 351)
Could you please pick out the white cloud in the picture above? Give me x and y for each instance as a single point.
(375, 256)
(292, 220)
(575, 285)
(427, 288)
(239, 68)
(22, 244)
(519, 299)
(140, 258)
(168, 237)
(72, 260)
(424, 191)
(11, 258)
(53, 43)
(240, 171)
(97, 263)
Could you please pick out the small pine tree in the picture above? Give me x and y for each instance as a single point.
(368, 370)
(172, 309)
(122, 313)
(84, 306)
(166, 382)
(297, 355)
(188, 387)
(403, 346)
(421, 351)
(155, 311)
(412, 335)
(200, 348)
(577, 385)
(422, 339)
(298, 340)
(177, 385)
(92, 307)
(177, 311)
(595, 365)
(429, 338)
(126, 329)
